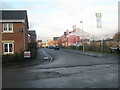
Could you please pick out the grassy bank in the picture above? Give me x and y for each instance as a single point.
(93, 51)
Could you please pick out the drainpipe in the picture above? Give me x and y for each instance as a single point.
(24, 34)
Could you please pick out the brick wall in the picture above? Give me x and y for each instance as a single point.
(26, 36)
(16, 36)
(60, 42)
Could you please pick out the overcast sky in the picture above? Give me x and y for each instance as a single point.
(52, 17)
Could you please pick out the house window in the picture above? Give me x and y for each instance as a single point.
(7, 27)
(8, 48)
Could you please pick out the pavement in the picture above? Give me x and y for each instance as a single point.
(93, 54)
(41, 57)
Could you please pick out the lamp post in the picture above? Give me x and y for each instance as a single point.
(82, 35)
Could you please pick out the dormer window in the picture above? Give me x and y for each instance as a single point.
(7, 27)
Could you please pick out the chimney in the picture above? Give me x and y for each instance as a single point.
(74, 28)
(67, 32)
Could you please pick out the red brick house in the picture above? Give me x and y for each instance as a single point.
(14, 30)
(32, 34)
(33, 42)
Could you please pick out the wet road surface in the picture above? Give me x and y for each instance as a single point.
(67, 70)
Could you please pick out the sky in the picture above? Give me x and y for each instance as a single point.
(50, 18)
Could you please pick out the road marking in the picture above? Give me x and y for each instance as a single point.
(46, 58)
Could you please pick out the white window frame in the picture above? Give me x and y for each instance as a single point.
(8, 48)
(8, 27)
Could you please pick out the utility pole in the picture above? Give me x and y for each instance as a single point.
(102, 45)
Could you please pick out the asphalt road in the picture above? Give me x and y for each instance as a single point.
(67, 70)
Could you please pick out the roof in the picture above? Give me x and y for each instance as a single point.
(32, 33)
(55, 38)
(14, 15)
(39, 40)
(79, 32)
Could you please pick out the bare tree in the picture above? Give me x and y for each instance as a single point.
(116, 35)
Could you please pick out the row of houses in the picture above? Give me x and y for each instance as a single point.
(78, 37)
(75, 37)
(15, 34)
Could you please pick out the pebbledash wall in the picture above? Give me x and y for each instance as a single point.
(18, 38)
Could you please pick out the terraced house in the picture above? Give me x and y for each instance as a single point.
(14, 28)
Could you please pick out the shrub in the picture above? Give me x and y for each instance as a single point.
(80, 47)
(9, 58)
(21, 55)
(18, 57)
(32, 45)
(72, 47)
(13, 57)
(33, 53)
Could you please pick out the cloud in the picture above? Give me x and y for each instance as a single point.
(53, 17)
(70, 13)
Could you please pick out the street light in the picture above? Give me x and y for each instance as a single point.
(82, 35)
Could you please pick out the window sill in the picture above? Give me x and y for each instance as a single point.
(7, 32)
(8, 53)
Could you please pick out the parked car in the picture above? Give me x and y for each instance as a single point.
(56, 47)
(51, 47)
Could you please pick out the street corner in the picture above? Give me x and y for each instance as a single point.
(45, 55)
